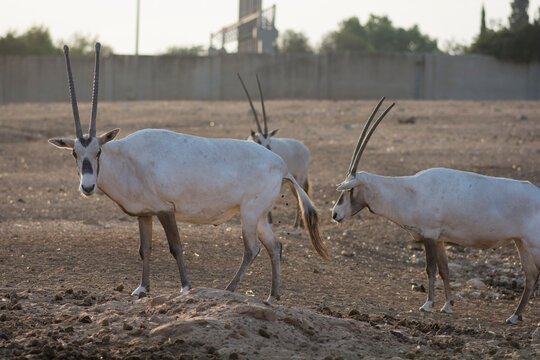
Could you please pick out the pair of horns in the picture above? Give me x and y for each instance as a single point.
(92, 129)
(265, 133)
(365, 136)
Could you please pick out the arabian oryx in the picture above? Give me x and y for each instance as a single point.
(444, 205)
(190, 179)
(295, 154)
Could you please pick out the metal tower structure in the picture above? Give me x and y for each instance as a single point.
(254, 30)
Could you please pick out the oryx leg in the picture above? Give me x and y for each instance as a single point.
(168, 221)
(442, 264)
(431, 270)
(532, 272)
(251, 247)
(273, 247)
(145, 249)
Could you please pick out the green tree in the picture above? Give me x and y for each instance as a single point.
(293, 42)
(179, 50)
(519, 16)
(84, 45)
(453, 47)
(483, 21)
(351, 35)
(36, 41)
(378, 34)
(519, 43)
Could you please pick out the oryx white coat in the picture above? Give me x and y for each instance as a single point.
(444, 205)
(295, 154)
(187, 178)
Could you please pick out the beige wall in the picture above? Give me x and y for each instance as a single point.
(347, 75)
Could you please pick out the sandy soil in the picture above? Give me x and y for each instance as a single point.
(68, 263)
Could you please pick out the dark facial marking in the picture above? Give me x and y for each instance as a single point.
(85, 141)
(87, 167)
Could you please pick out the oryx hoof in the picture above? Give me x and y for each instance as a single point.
(446, 309)
(141, 290)
(512, 320)
(426, 307)
(185, 289)
(272, 299)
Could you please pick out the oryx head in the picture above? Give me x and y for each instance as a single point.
(86, 148)
(352, 200)
(261, 137)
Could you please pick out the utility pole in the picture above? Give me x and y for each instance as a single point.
(137, 29)
(483, 21)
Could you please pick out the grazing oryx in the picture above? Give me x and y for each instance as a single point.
(438, 205)
(190, 179)
(295, 154)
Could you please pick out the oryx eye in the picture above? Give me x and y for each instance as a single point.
(74, 154)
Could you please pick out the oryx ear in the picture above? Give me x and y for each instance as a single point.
(273, 132)
(348, 185)
(105, 138)
(63, 143)
(252, 134)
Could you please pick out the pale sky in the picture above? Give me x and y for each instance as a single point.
(165, 23)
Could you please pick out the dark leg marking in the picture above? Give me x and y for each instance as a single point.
(168, 221)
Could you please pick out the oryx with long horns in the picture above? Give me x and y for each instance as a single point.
(295, 154)
(444, 205)
(190, 179)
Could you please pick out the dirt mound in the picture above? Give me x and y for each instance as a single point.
(201, 322)
(210, 323)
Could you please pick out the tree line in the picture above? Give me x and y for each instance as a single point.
(38, 41)
(519, 41)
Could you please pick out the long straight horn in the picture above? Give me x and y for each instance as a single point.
(72, 96)
(371, 131)
(361, 138)
(262, 103)
(362, 142)
(92, 130)
(250, 104)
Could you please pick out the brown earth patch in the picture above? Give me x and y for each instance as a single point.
(68, 263)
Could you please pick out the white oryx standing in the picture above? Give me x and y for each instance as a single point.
(444, 205)
(190, 179)
(295, 154)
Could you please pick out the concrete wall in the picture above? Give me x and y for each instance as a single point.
(347, 75)
(476, 77)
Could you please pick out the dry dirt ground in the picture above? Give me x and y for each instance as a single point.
(68, 264)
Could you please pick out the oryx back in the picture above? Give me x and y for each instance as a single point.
(201, 180)
(472, 214)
